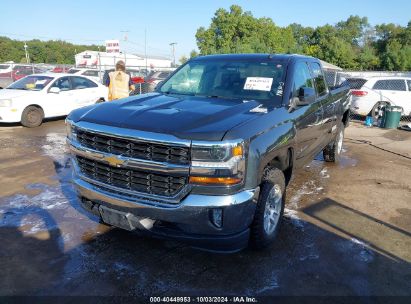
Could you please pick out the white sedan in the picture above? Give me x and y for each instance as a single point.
(35, 97)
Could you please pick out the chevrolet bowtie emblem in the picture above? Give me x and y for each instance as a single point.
(113, 161)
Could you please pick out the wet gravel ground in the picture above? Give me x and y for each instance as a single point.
(346, 231)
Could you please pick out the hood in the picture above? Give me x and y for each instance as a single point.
(10, 93)
(188, 117)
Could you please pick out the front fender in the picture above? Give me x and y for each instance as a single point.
(266, 147)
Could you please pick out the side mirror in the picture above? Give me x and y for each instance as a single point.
(54, 90)
(306, 96)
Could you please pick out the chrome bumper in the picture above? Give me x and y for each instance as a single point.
(192, 214)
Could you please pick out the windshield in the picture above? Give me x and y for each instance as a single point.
(72, 71)
(4, 66)
(259, 80)
(31, 83)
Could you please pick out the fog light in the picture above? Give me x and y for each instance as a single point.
(217, 217)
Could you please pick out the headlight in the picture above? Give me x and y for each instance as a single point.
(220, 163)
(71, 134)
(5, 103)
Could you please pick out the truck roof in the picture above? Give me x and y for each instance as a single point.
(274, 57)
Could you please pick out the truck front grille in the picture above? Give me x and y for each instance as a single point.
(134, 149)
(131, 179)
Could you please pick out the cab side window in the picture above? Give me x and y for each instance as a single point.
(62, 83)
(319, 79)
(302, 78)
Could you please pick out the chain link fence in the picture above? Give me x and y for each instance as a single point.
(145, 78)
(11, 72)
(372, 91)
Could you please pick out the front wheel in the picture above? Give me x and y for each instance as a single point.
(269, 210)
(332, 151)
(32, 117)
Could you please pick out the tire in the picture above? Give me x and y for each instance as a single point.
(267, 221)
(378, 110)
(332, 151)
(32, 117)
(100, 100)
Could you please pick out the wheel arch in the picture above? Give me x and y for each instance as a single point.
(34, 105)
(372, 107)
(284, 162)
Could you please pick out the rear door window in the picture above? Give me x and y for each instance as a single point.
(82, 83)
(390, 85)
(319, 79)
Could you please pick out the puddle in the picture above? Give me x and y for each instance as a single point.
(346, 162)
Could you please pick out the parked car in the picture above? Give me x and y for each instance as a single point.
(378, 92)
(355, 83)
(207, 157)
(16, 72)
(91, 73)
(23, 72)
(61, 69)
(137, 76)
(35, 97)
(5, 68)
(155, 78)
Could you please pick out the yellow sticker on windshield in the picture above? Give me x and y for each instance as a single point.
(30, 86)
(258, 84)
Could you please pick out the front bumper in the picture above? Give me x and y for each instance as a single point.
(188, 221)
(7, 115)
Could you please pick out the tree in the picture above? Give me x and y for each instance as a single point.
(183, 59)
(41, 51)
(194, 54)
(351, 44)
(236, 31)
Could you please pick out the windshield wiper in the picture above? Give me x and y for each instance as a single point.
(178, 93)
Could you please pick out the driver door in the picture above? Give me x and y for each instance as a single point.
(59, 103)
(308, 118)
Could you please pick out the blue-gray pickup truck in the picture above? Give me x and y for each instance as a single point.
(206, 158)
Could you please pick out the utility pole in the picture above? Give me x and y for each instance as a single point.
(125, 34)
(172, 44)
(125, 39)
(26, 52)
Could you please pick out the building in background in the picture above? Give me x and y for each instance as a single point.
(107, 60)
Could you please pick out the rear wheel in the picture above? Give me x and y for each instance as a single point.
(378, 110)
(32, 116)
(332, 151)
(270, 208)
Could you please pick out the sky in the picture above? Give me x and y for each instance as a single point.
(164, 22)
